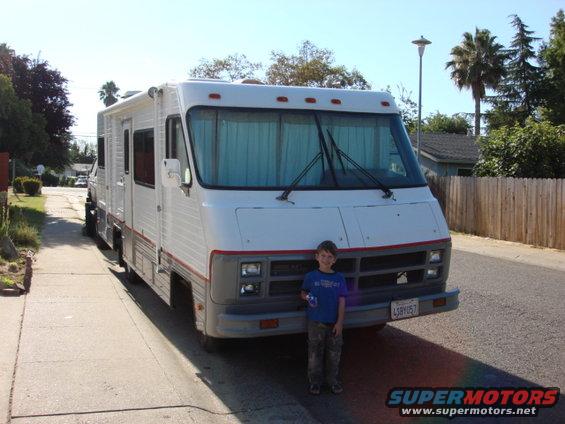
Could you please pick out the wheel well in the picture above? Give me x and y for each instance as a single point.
(181, 295)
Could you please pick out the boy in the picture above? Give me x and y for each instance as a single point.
(325, 291)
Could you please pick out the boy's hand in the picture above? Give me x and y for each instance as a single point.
(338, 329)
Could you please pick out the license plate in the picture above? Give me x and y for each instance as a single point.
(404, 308)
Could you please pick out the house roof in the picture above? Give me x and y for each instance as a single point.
(442, 147)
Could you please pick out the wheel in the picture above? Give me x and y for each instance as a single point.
(132, 276)
(89, 220)
(121, 261)
(208, 343)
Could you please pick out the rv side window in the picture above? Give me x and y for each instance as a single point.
(176, 147)
(100, 152)
(143, 158)
(126, 151)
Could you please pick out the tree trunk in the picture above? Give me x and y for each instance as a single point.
(477, 118)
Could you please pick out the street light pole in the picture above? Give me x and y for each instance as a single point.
(421, 43)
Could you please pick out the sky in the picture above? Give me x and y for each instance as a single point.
(142, 43)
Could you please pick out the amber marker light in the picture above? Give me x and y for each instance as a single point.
(282, 99)
(214, 96)
(336, 101)
(310, 100)
(439, 302)
(385, 103)
(265, 324)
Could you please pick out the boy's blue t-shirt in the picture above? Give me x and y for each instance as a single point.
(327, 288)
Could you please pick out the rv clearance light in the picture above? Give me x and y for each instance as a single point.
(336, 101)
(251, 269)
(250, 289)
(282, 99)
(385, 103)
(442, 301)
(432, 273)
(215, 96)
(310, 100)
(435, 256)
(268, 323)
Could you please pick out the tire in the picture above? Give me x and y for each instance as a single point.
(89, 220)
(209, 344)
(121, 261)
(132, 276)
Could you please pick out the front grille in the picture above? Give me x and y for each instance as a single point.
(377, 263)
(281, 288)
(301, 267)
(369, 273)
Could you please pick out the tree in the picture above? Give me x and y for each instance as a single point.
(108, 93)
(46, 89)
(440, 123)
(536, 150)
(21, 131)
(477, 63)
(553, 58)
(233, 67)
(82, 154)
(312, 67)
(519, 93)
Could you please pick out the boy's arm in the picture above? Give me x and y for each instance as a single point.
(303, 294)
(338, 327)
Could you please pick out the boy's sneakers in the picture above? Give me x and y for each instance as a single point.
(314, 389)
(337, 388)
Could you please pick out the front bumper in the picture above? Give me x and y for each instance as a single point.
(243, 326)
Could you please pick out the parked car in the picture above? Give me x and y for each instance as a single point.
(81, 181)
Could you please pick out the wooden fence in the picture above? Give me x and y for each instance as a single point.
(525, 210)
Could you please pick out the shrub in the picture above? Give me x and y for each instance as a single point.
(32, 186)
(49, 180)
(6, 282)
(18, 184)
(535, 150)
(23, 234)
(71, 181)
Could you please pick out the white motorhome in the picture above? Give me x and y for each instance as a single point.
(227, 189)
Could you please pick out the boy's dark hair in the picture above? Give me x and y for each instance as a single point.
(328, 246)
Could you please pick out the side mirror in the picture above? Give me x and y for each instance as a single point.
(170, 173)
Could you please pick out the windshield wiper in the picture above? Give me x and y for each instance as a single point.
(387, 191)
(294, 183)
(325, 148)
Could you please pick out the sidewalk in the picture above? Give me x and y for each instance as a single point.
(523, 253)
(89, 353)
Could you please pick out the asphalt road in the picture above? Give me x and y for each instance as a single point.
(507, 332)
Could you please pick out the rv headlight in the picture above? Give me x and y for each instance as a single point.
(436, 256)
(432, 273)
(251, 269)
(249, 289)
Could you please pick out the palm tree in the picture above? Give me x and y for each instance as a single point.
(477, 63)
(108, 93)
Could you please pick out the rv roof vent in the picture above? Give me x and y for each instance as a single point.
(207, 80)
(249, 81)
(130, 93)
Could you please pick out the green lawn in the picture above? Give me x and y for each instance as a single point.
(25, 212)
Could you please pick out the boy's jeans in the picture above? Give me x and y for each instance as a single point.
(322, 343)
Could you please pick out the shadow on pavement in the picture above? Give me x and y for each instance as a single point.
(372, 364)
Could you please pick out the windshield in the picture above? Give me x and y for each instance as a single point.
(267, 149)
